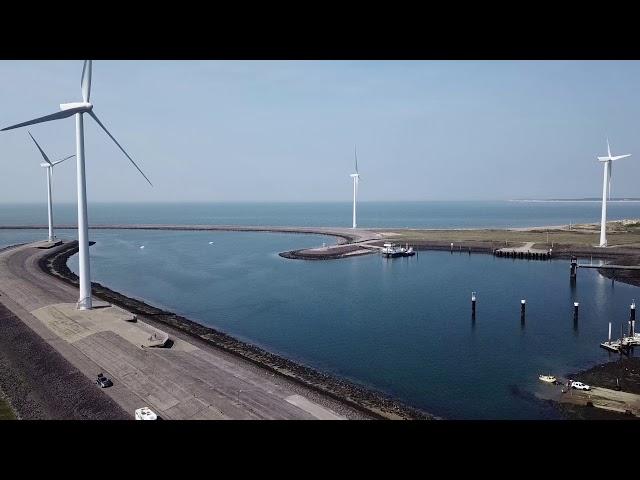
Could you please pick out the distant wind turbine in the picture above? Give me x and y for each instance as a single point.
(356, 180)
(606, 191)
(78, 109)
(48, 164)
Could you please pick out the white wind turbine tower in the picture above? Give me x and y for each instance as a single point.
(606, 191)
(356, 180)
(78, 109)
(48, 164)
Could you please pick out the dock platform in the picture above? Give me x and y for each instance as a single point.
(525, 251)
(621, 345)
(611, 267)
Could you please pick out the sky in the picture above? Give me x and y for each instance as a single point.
(228, 131)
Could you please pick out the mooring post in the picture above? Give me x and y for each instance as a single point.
(575, 310)
(473, 305)
(451, 247)
(522, 308)
(632, 318)
(574, 266)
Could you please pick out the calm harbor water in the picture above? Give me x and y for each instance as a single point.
(399, 325)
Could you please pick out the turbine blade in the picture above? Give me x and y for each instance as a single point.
(608, 149)
(620, 156)
(44, 155)
(119, 146)
(62, 160)
(47, 118)
(85, 83)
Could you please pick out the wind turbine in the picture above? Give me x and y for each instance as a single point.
(356, 180)
(78, 109)
(48, 164)
(606, 191)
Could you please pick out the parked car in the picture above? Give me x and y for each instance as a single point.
(580, 386)
(103, 382)
(145, 413)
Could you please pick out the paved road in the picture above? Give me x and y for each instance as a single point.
(190, 381)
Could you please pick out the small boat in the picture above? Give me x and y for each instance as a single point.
(547, 378)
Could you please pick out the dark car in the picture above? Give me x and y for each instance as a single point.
(103, 381)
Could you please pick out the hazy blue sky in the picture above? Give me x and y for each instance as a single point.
(285, 131)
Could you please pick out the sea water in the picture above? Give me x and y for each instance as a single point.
(462, 214)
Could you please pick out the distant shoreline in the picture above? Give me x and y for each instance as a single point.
(574, 200)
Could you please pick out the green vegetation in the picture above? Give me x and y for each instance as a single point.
(5, 410)
(625, 233)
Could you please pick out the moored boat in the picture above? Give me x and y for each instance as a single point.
(390, 250)
(547, 378)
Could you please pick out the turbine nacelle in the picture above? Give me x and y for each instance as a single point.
(611, 159)
(76, 107)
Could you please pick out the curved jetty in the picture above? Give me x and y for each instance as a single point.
(350, 241)
(181, 369)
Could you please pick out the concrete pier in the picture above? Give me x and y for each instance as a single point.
(605, 399)
(526, 251)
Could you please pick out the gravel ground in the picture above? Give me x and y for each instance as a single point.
(42, 384)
